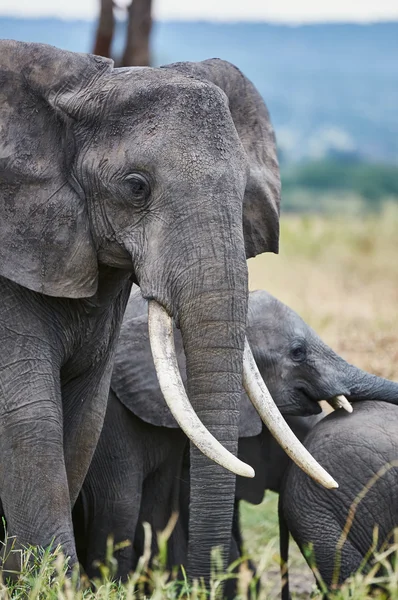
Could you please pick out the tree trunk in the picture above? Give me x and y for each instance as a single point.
(105, 29)
(136, 51)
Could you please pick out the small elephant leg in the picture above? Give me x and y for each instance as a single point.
(161, 492)
(110, 518)
(236, 553)
(111, 496)
(320, 549)
(335, 569)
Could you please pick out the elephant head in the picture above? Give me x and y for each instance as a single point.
(300, 369)
(168, 174)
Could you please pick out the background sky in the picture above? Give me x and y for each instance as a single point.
(294, 11)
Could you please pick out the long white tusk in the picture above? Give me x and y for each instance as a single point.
(164, 357)
(270, 415)
(340, 402)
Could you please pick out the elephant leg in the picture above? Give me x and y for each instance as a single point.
(161, 491)
(85, 400)
(177, 546)
(236, 553)
(334, 569)
(318, 540)
(33, 479)
(111, 496)
(110, 517)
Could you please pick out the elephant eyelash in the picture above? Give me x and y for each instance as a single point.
(140, 187)
(298, 352)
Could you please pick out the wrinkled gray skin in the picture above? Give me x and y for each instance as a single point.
(141, 449)
(353, 449)
(168, 177)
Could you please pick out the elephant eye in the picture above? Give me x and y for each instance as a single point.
(139, 188)
(298, 352)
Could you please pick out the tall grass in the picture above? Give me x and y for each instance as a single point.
(44, 577)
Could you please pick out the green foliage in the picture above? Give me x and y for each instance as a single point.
(336, 186)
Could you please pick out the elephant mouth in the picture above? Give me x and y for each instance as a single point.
(133, 278)
(339, 401)
(305, 404)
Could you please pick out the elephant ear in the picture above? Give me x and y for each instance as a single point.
(45, 240)
(134, 379)
(252, 122)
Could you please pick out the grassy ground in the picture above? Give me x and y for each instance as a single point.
(341, 275)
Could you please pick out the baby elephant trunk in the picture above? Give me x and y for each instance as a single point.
(364, 386)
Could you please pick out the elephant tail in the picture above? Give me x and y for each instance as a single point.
(284, 550)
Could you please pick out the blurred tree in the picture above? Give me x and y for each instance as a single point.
(139, 25)
(372, 181)
(138, 33)
(105, 29)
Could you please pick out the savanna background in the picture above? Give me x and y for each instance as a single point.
(330, 80)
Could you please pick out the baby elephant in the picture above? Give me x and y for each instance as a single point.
(335, 529)
(141, 450)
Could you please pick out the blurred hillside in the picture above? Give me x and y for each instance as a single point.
(332, 90)
(338, 185)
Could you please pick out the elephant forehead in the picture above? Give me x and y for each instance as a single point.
(165, 87)
(170, 151)
(156, 100)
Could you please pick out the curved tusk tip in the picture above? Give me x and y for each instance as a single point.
(326, 480)
(252, 473)
(340, 402)
(244, 470)
(333, 485)
(247, 471)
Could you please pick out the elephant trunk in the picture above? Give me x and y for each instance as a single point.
(212, 319)
(203, 285)
(364, 386)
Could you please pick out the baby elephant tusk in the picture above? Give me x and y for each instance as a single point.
(164, 357)
(270, 415)
(340, 402)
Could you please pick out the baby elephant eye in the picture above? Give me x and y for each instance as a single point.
(298, 352)
(139, 188)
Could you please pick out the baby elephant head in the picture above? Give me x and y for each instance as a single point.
(300, 369)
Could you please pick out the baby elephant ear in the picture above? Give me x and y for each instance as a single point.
(252, 122)
(45, 241)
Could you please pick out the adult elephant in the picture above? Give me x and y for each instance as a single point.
(336, 532)
(167, 177)
(136, 473)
